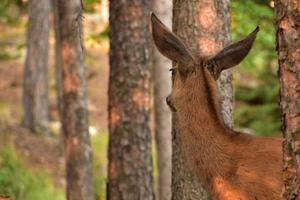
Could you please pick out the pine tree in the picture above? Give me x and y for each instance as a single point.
(78, 153)
(35, 82)
(130, 163)
(288, 47)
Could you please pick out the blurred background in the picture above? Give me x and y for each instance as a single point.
(32, 167)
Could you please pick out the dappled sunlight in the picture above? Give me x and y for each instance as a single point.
(207, 17)
(141, 99)
(70, 80)
(285, 25)
(297, 4)
(70, 146)
(224, 190)
(243, 186)
(114, 117)
(208, 46)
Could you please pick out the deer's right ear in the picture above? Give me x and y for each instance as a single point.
(168, 43)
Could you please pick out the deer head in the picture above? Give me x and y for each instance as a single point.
(193, 73)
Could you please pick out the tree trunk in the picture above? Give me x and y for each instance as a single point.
(58, 61)
(78, 153)
(204, 26)
(58, 71)
(288, 47)
(35, 86)
(162, 113)
(130, 163)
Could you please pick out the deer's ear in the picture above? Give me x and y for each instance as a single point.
(234, 53)
(168, 43)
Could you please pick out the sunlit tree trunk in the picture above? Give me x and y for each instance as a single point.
(130, 163)
(288, 46)
(35, 87)
(78, 153)
(162, 113)
(204, 26)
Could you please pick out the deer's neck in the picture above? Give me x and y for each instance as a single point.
(206, 140)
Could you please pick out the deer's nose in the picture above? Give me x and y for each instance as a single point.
(169, 102)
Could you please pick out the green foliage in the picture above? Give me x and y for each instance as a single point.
(5, 114)
(20, 183)
(98, 37)
(99, 145)
(8, 56)
(259, 118)
(10, 11)
(256, 81)
(89, 5)
(246, 15)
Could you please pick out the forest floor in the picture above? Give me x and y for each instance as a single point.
(42, 153)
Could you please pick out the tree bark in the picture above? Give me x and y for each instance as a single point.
(78, 153)
(35, 82)
(204, 26)
(58, 61)
(130, 162)
(162, 113)
(288, 47)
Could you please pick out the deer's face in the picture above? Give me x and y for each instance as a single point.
(191, 72)
(185, 84)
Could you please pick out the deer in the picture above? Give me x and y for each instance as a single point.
(231, 165)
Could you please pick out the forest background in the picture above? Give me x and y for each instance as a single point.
(30, 168)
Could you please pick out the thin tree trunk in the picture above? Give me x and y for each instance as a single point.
(78, 153)
(162, 113)
(130, 163)
(35, 87)
(204, 26)
(288, 47)
(58, 61)
(58, 71)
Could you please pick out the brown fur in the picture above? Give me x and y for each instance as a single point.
(233, 166)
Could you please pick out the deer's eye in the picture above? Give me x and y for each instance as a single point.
(173, 71)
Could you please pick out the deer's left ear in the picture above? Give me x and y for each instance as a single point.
(232, 55)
